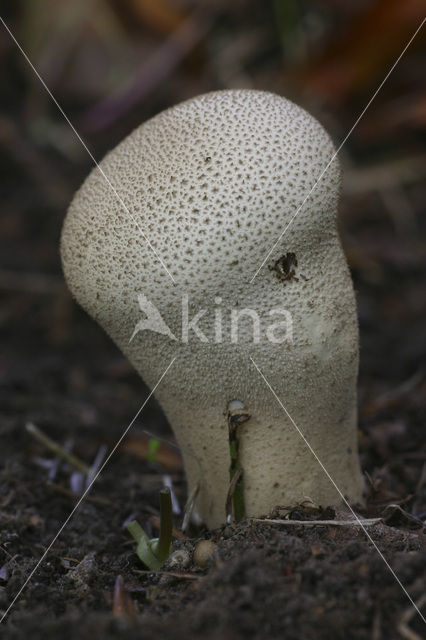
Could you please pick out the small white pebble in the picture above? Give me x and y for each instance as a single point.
(203, 552)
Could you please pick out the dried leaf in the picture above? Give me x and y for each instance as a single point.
(365, 49)
(122, 604)
(138, 445)
(162, 16)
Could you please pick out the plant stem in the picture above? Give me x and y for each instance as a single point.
(235, 418)
(154, 553)
(236, 479)
(166, 523)
(135, 530)
(238, 494)
(56, 448)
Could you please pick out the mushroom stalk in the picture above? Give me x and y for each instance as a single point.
(214, 183)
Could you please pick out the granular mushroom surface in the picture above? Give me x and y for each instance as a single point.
(213, 182)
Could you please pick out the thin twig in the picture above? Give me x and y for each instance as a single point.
(337, 523)
(174, 574)
(56, 448)
(74, 496)
(384, 175)
(408, 614)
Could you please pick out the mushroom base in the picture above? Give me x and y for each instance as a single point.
(279, 468)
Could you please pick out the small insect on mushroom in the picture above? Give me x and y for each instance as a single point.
(285, 266)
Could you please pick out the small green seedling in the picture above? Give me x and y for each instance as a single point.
(154, 552)
(153, 446)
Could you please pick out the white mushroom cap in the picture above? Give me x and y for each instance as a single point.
(213, 182)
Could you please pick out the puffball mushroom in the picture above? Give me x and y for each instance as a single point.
(213, 182)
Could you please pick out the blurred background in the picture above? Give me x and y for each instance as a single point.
(112, 64)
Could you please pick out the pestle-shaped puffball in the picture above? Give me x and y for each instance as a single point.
(211, 184)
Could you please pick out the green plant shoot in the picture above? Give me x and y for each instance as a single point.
(237, 414)
(154, 552)
(153, 446)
